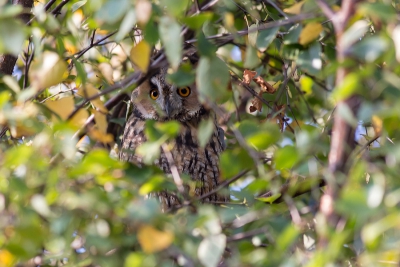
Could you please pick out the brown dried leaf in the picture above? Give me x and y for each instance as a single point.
(256, 103)
(266, 87)
(248, 75)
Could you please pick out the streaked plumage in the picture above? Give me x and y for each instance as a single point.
(171, 103)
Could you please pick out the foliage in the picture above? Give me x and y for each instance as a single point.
(267, 69)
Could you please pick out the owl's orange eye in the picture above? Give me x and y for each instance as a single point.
(184, 91)
(154, 94)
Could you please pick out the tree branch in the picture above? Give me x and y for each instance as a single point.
(7, 62)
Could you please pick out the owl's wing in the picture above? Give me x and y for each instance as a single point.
(221, 137)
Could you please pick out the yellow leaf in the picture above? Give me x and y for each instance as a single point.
(62, 107)
(229, 20)
(377, 125)
(19, 130)
(6, 259)
(70, 47)
(310, 32)
(79, 118)
(101, 121)
(152, 240)
(88, 91)
(97, 135)
(140, 55)
(107, 72)
(295, 9)
(47, 70)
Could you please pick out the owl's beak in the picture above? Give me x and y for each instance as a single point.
(168, 108)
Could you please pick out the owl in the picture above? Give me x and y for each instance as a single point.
(158, 100)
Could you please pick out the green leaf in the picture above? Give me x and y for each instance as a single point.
(112, 11)
(287, 238)
(196, 22)
(211, 249)
(293, 36)
(170, 34)
(205, 130)
(78, 5)
(370, 48)
(126, 25)
(265, 38)
(12, 36)
(205, 47)
(10, 11)
(150, 151)
(270, 199)
(183, 76)
(252, 36)
(260, 137)
(384, 11)
(347, 87)
(171, 128)
(175, 8)
(306, 84)
(286, 157)
(310, 59)
(136, 259)
(354, 33)
(152, 185)
(212, 78)
(252, 59)
(234, 161)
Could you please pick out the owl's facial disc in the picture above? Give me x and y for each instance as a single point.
(167, 101)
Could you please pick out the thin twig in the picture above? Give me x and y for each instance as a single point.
(174, 170)
(224, 184)
(58, 8)
(272, 3)
(261, 27)
(246, 235)
(236, 79)
(92, 44)
(46, 8)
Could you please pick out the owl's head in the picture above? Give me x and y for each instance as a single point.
(157, 99)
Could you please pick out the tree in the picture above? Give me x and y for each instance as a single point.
(307, 94)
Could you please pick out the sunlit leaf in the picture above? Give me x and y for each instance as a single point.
(197, 21)
(310, 32)
(140, 55)
(107, 72)
(89, 91)
(47, 70)
(211, 249)
(294, 9)
(7, 259)
(152, 240)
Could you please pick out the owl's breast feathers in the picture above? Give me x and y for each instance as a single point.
(201, 164)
